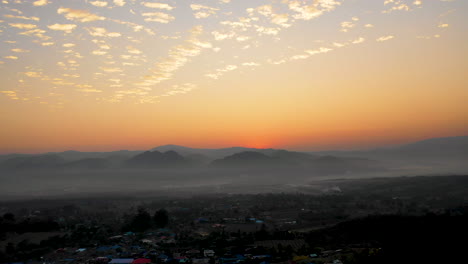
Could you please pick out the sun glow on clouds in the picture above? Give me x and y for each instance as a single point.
(145, 52)
(253, 27)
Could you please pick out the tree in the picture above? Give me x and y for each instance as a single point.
(141, 221)
(9, 217)
(161, 218)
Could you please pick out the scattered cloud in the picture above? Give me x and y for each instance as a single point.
(158, 17)
(41, 2)
(163, 6)
(22, 26)
(119, 2)
(102, 32)
(67, 28)
(22, 17)
(99, 3)
(385, 38)
(20, 50)
(79, 15)
(202, 11)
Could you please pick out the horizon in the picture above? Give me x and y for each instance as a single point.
(300, 75)
(227, 147)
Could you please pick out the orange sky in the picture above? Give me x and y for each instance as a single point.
(304, 75)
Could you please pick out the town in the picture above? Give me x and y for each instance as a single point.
(232, 228)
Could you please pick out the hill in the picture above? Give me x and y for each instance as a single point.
(156, 159)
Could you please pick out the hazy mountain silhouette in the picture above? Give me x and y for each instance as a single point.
(33, 162)
(287, 159)
(72, 155)
(434, 149)
(246, 159)
(298, 158)
(91, 163)
(210, 153)
(340, 165)
(156, 159)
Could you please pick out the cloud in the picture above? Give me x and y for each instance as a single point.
(267, 11)
(203, 11)
(308, 11)
(20, 50)
(251, 64)
(359, 40)
(280, 19)
(133, 50)
(22, 26)
(89, 90)
(79, 15)
(441, 25)
(222, 36)
(318, 51)
(158, 17)
(346, 25)
(23, 17)
(111, 70)
(35, 32)
(41, 2)
(62, 27)
(99, 52)
(157, 5)
(11, 94)
(180, 89)
(385, 38)
(119, 2)
(396, 5)
(219, 72)
(178, 57)
(102, 32)
(33, 74)
(267, 31)
(99, 3)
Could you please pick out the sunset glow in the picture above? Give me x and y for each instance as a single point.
(307, 75)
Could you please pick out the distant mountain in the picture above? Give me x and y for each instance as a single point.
(91, 163)
(434, 149)
(210, 153)
(431, 152)
(297, 160)
(72, 155)
(32, 162)
(451, 147)
(246, 159)
(156, 159)
(341, 165)
(294, 157)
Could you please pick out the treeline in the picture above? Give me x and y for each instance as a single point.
(402, 239)
(143, 220)
(8, 223)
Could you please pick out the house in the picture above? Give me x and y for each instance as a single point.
(122, 261)
(141, 261)
(208, 253)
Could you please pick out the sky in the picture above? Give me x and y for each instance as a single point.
(298, 74)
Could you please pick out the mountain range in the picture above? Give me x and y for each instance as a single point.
(175, 157)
